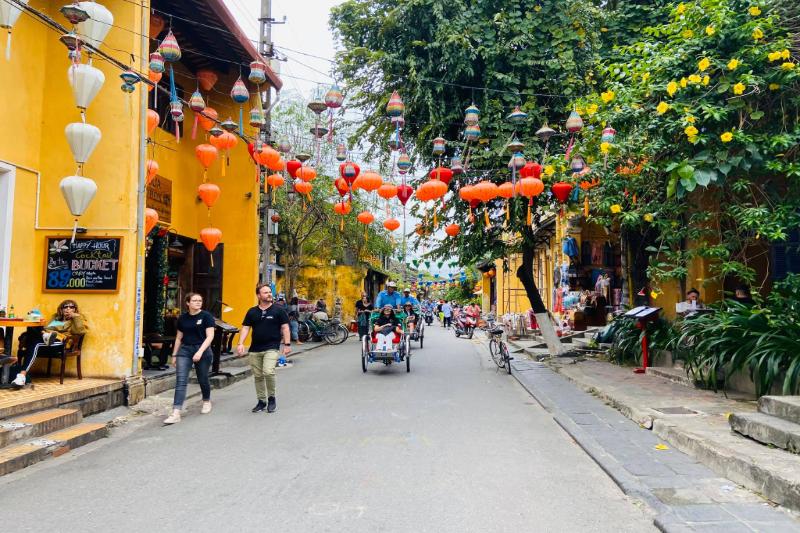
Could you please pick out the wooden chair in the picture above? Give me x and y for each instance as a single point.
(71, 347)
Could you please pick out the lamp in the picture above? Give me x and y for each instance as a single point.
(176, 243)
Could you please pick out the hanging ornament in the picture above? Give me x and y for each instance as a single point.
(391, 224)
(514, 146)
(574, 124)
(157, 62)
(206, 154)
(304, 189)
(368, 180)
(387, 191)
(306, 174)
(341, 187)
(229, 125)
(171, 53)
(471, 115)
(96, 26)
(441, 173)
(403, 163)
(150, 220)
(240, 95)
(318, 131)
(207, 118)
(151, 169)
(395, 142)
(341, 152)
(561, 191)
(284, 146)
(472, 132)
(456, 167)
(544, 134)
(211, 237)
(257, 119)
(197, 105)
(342, 208)
(209, 193)
(129, 81)
(334, 97)
(399, 122)
(302, 157)
(517, 117)
(577, 164)
(86, 82)
(292, 166)
(317, 106)
(452, 230)
(517, 162)
(78, 192)
(609, 134)
(216, 131)
(258, 72)
(506, 190)
(485, 191)
(439, 147)
(366, 218)
(82, 139)
(395, 107)
(152, 121)
(72, 12)
(206, 78)
(530, 187)
(224, 143)
(404, 193)
(349, 171)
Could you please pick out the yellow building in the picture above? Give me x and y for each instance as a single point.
(35, 156)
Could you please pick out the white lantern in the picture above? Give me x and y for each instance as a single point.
(86, 82)
(78, 193)
(96, 27)
(82, 139)
(9, 13)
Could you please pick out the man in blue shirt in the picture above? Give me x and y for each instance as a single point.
(447, 311)
(389, 296)
(407, 298)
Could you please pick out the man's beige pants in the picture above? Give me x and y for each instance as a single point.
(263, 365)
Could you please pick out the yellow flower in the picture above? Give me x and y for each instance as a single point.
(774, 86)
(672, 88)
(694, 78)
(733, 64)
(690, 119)
(754, 11)
(785, 54)
(662, 108)
(680, 9)
(537, 8)
(549, 170)
(607, 96)
(645, 76)
(726, 137)
(710, 30)
(758, 34)
(605, 147)
(788, 66)
(692, 139)
(591, 109)
(579, 110)
(653, 295)
(648, 217)
(616, 208)
(739, 88)
(774, 56)
(706, 79)
(684, 82)
(703, 64)
(687, 34)
(691, 131)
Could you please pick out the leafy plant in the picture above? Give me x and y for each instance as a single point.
(627, 346)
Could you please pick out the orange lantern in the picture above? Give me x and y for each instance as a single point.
(365, 217)
(152, 170)
(342, 208)
(209, 193)
(150, 220)
(267, 156)
(387, 191)
(486, 191)
(369, 181)
(207, 79)
(467, 193)
(506, 190)
(275, 181)
(210, 237)
(452, 230)
(391, 224)
(206, 154)
(154, 77)
(304, 188)
(208, 117)
(152, 121)
(530, 188)
(306, 173)
(224, 143)
(277, 165)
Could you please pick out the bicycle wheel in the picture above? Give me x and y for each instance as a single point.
(303, 331)
(343, 333)
(494, 350)
(365, 347)
(506, 356)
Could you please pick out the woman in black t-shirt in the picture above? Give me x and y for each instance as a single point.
(386, 329)
(192, 345)
(364, 309)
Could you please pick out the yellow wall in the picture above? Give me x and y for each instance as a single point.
(317, 282)
(39, 104)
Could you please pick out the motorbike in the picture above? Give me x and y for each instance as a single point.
(465, 325)
(429, 317)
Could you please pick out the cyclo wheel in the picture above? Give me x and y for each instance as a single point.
(364, 352)
(329, 334)
(506, 356)
(408, 356)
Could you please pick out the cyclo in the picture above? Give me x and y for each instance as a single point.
(394, 348)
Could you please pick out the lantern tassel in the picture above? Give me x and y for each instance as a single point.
(529, 219)
(222, 160)
(486, 218)
(586, 205)
(341, 224)
(211, 257)
(74, 231)
(8, 46)
(205, 175)
(194, 126)
(569, 147)
(508, 215)
(241, 120)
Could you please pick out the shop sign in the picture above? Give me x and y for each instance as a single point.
(87, 264)
(159, 197)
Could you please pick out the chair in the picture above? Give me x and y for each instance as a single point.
(71, 347)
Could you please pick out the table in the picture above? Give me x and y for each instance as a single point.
(8, 339)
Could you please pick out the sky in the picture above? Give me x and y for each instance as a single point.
(306, 30)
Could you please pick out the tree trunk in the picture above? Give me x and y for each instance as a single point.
(525, 275)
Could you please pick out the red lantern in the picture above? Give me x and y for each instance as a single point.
(391, 224)
(404, 192)
(531, 169)
(452, 230)
(341, 187)
(150, 220)
(209, 193)
(349, 171)
(293, 166)
(442, 173)
(561, 191)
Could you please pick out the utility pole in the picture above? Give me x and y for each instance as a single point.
(265, 49)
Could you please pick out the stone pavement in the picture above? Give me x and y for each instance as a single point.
(686, 495)
(694, 421)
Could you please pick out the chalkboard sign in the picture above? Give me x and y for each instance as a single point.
(90, 264)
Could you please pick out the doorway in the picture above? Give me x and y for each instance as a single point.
(7, 179)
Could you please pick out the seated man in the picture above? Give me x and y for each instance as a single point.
(412, 318)
(386, 330)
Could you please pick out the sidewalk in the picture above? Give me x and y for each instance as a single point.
(686, 495)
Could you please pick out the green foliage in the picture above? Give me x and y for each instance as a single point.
(461, 293)
(627, 346)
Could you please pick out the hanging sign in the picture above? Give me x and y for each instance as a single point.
(159, 197)
(88, 264)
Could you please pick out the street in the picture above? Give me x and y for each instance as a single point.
(453, 446)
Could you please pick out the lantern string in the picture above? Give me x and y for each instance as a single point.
(8, 46)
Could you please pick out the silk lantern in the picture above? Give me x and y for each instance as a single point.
(342, 208)
(95, 28)
(152, 168)
(9, 13)
(211, 237)
(206, 154)
(150, 220)
(86, 82)
(404, 192)
(209, 193)
(441, 173)
(82, 139)
(530, 187)
(486, 191)
(152, 121)
(224, 143)
(452, 230)
(391, 224)
(207, 79)
(78, 192)
(506, 190)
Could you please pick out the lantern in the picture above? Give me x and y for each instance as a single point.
(577, 164)
(275, 218)
(506, 190)
(391, 224)
(399, 122)
(318, 131)
(284, 146)
(574, 122)
(150, 220)
(342, 208)
(609, 134)
(240, 95)
(404, 192)
(210, 237)
(544, 133)
(208, 118)
(9, 13)
(154, 78)
(176, 112)
(152, 121)
(208, 193)
(485, 191)
(258, 72)
(517, 162)
(151, 168)
(156, 62)
(302, 157)
(403, 163)
(206, 154)
(73, 13)
(517, 116)
(196, 104)
(561, 191)
(531, 170)
(95, 28)
(129, 80)
(366, 218)
(341, 187)
(82, 139)
(456, 167)
(206, 78)
(439, 146)
(471, 115)
(334, 97)
(317, 107)
(472, 133)
(268, 156)
(224, 143)
(395, 107)
(78, 192)
(86, 82)
(395, 142)
(369, 181)
(530, 187)
(341, 152)
(452, 230)
(387, 191)
(306, 173)
(349, 171)
(292, 166)
(441, 173)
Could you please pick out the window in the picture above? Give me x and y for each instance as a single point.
(786, 256)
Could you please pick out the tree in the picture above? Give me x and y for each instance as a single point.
(442, 56)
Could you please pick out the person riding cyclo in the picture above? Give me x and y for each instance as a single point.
(386, 330)
(412, 317)
(389, 296)
(407, 298)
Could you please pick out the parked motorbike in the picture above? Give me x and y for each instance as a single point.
(465, 325)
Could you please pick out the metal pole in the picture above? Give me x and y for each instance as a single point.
(265, 49)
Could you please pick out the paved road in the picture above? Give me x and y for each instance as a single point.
(454, 446)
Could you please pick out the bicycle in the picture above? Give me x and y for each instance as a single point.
(331, 331)
(498, 349)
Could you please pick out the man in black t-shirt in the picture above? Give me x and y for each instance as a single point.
(270, 325)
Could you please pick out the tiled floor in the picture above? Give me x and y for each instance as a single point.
(45, 388)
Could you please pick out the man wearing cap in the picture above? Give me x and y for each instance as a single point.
(407, 298)
(388, 296)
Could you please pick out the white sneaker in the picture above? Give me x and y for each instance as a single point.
(206, 408)
(174, 418)
(19, 381)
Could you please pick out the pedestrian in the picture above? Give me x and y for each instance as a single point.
(364, 309)
(294, 326)
(270, 325)
(192, 346)
(447, 314)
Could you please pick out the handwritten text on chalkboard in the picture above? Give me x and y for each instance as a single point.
(88, 264)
